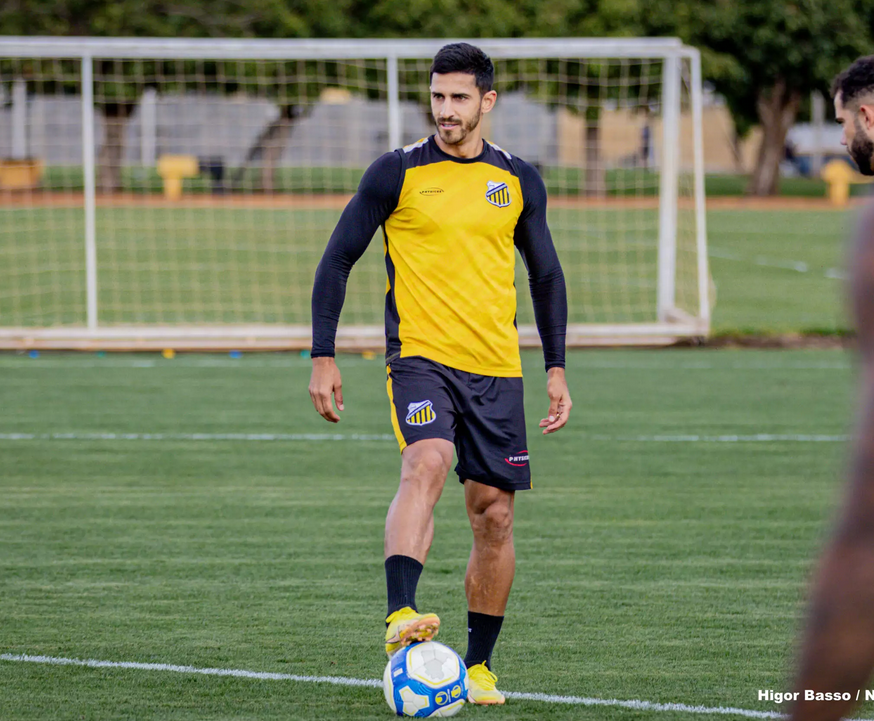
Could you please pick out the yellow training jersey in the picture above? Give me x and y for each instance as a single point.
(451, 260)
(451, 226)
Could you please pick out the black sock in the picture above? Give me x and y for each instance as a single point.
(401, 578)
(482, 633)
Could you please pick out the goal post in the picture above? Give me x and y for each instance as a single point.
(175, 193)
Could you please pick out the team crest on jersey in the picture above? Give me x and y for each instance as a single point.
(498, 194)
(421, 413)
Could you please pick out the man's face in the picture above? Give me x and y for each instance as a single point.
(858, 128)
(457, 106)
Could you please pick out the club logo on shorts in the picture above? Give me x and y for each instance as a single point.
(498, 194)
(421, 413)
(520, 459)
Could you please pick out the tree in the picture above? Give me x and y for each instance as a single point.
(581, 90)
(119, 85)
(81, 17)
(585, 85)
(765, 56)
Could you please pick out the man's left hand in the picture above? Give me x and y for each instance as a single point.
(559, 401)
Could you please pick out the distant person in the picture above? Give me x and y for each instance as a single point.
(646, 140)
(837, 655)
(790, 154)
(453, 208)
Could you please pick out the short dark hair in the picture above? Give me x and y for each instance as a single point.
(465, 58)
(856, 80)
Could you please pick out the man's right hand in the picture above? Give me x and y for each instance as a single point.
(325, 382)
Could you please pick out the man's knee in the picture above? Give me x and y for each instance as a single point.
(426, 464)
(493, 522)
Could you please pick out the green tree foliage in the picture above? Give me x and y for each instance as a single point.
(119, 84)
(437, 19)
(583, 18)
(765, 56)
(176, 18)
(583, 86)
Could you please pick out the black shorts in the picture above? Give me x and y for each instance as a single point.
(483, 416)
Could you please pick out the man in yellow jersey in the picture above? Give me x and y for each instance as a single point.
(453, 209)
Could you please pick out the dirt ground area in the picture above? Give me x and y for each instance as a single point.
(39, 199)
(787, 341)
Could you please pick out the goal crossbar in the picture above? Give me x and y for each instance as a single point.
(228, 49)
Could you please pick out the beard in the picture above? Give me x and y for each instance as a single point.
(459, 133)
(862, 150)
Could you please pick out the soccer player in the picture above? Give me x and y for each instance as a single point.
(453, 209)
(837, 654)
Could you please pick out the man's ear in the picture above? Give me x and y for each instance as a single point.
(867, 113)
(489, 99)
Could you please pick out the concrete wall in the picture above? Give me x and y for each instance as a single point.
(621, 133)
(350, 131)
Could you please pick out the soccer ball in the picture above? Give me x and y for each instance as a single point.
(425, 680)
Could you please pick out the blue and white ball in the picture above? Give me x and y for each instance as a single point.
(425, 680)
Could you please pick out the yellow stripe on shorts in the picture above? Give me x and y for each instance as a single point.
(394, 413)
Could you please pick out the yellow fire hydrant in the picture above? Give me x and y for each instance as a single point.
(172, 169)
(839, 176)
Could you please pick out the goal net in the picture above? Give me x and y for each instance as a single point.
(179, 193)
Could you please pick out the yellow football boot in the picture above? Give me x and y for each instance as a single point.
(407, 626)
(481, 686)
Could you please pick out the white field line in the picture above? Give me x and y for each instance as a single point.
(374, 683)
(671, 363)
(704, 365)
(380, 437)
(237, 673)
(267, 437)
(46, 361)
(756, 438)
(786, 264)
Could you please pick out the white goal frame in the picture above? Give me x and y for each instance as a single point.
(671, 324)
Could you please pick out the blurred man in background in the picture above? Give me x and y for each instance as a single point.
(837, 655)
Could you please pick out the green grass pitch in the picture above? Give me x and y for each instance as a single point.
(773, 271)
(668, 571)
